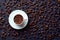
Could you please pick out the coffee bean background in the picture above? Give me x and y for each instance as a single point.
(44, 20)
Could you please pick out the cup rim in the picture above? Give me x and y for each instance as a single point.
(21, 22)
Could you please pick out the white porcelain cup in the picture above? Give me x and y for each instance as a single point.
(21, 22)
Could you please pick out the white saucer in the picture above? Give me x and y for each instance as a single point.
(11, 17)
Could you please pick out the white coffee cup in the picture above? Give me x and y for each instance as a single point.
(18, 20)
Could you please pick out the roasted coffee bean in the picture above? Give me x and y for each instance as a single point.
(59, 35)
(3, 35)
(46, 27)
(58, 0)
(0, 18)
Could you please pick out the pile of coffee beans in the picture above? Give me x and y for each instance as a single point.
(44, 20)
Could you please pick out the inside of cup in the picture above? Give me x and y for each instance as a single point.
(18, 19)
